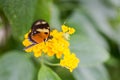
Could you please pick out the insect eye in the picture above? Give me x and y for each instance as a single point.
(45, 32)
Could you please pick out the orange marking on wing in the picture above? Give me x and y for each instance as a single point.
(40, 37)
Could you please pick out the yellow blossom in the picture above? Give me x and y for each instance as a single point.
(26, 42)
(71, 30)
(70, 61)
(64, 28)
(37, 54)
(58, 46)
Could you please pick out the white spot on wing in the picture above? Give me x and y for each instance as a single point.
(43, 30)
(43, 22)
(38, 23)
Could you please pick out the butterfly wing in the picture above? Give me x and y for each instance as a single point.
(40, 31)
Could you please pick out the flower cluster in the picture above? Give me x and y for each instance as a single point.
(58, 46)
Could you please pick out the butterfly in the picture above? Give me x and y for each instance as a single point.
(40, 32)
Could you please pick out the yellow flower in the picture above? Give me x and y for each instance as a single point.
(70, 61)
(71, 30)
(26, 42)
(58, 46)
(64, 28)
(37, 54)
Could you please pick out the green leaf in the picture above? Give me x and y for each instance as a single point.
(15, 65)
(55, 18)
(84, 27)
(85, 43)
(20, 15)
(46, 10)
(64, 73)
(115, 3)
(99, 15)
(43, 10)
(87, 51)
(46, 73)
(91, 73)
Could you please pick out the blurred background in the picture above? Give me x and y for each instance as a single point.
(96, 41)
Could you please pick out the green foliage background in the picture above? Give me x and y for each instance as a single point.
(96, 41)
